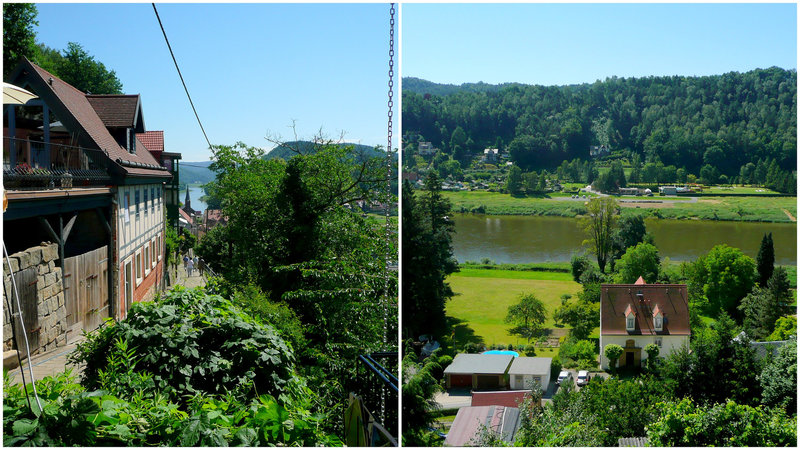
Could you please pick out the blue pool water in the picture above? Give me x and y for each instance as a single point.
(501, 352)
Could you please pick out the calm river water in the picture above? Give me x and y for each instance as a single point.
(525, 239)
(195, 192)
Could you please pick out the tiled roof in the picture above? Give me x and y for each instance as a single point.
(472, 420)
(87, 118)
(527, 365)
(616, 300)
(116, 110)
(511, 399)
(185, 215)
(479, 363)
(152, 140)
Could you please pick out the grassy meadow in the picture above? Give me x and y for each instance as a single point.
(751, 208)
(483, 297)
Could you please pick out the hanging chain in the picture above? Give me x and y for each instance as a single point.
(387, 201)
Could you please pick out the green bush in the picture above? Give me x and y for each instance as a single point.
(190, 343)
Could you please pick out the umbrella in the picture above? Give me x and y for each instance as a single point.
(15, 95)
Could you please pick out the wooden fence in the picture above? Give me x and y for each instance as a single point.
(86, 289)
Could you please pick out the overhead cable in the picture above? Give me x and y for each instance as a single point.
(181, 76)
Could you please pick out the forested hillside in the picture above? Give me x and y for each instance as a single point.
(725, 121)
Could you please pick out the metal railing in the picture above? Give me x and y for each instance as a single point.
(35, 165)
(378, 387)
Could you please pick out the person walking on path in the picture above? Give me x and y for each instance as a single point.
(185, 261)
(200, 266)
(189, 267)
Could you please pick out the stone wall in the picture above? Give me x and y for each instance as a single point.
(51, 310)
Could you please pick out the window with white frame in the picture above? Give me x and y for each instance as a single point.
(139, 274)
(146, 261)
(658, 322)
(158, 246)
(153, 196)
(146, 201)
(658, 342)
(630, 322)
(153, 258)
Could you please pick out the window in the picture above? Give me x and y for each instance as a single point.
(658, 342)
(126, 204)
(158, 246)
(146, 199)
(146, 259)
(518, 379)
(153, 258)
(630, 322)
(138, 268)
(153, 196)
(136, 200)
(658, 322)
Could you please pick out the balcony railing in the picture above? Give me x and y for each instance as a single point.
(378, 395)
(39, 165)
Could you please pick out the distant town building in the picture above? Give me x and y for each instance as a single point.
(491, 155)
(668, 190)
(596, 151)
(426, 149)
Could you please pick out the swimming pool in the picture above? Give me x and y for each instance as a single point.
(502, 352)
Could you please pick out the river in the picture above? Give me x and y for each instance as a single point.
(195, 192)
(527, 239)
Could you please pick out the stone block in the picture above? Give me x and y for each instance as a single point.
(7, 334)
(60, 298)
(36, 255)
(52, 266)
(41, 283)
(50, 291)
(62, 339)
(24, 259)
(14, 264)
(49, 279)
(44, 268)
(62, 314)
(50, 253)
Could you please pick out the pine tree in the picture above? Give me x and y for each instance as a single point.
(765, 260)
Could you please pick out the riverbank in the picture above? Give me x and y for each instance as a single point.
(739, 208)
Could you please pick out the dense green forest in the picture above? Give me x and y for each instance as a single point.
(725, 121)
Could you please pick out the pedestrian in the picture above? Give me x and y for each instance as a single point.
(189, 267)
(185, 260)
(201, 265)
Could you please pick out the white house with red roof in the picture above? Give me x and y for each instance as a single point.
(635, 315)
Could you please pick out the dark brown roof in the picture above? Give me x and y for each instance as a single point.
(77, 105)
(616, 300)
(116, 111)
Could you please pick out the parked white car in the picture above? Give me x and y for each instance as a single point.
(564, 376)
(583, 378)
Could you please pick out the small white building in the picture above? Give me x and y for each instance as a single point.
(526, 372)
(491, 155)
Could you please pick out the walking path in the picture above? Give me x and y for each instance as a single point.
(791, 217)
(55, 361)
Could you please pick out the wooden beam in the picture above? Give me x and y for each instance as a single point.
(103, 220)
(49, 229)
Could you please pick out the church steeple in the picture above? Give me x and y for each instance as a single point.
(187, 204)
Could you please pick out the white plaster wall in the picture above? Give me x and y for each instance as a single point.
(527, 381)
(669, 344)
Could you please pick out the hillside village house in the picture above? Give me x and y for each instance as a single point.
(76, 174)
(634, 315)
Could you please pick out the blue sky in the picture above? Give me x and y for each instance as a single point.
(251, 69)
(558, 44)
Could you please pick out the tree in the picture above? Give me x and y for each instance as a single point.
(765, 261)
(427, 259)
(582, 317)
(82, 71)
(612, 353)
(686, 423)
(759, 310)
(579, 264)
(600, 224)
(639, 261)
(779, 379)
(719, 354)
(631, 231)
(420, 384)
(514, 181)
(723, 277)
(580, 351)
(19, 37)
(527, 316)
(785, 327)
(652, 351)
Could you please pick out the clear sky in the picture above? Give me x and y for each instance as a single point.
(559, 44)
(251, 69)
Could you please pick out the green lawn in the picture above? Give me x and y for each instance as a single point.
(737, 208)
(481, 302)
